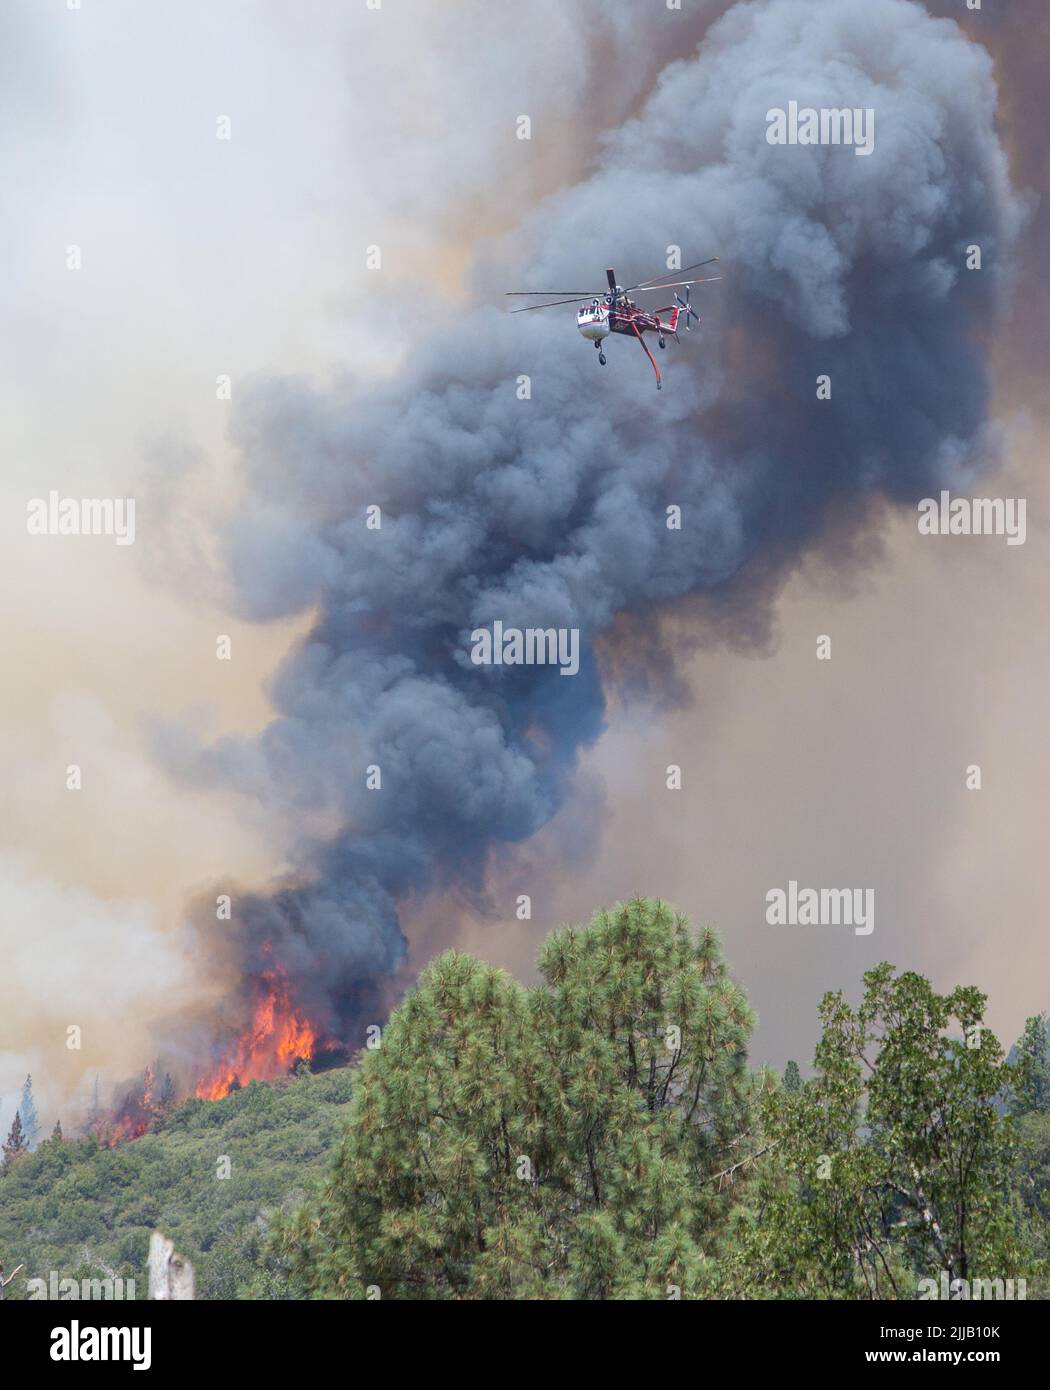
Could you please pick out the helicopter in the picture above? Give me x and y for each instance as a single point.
(611, 311)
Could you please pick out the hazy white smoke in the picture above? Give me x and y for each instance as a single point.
(69, 1010)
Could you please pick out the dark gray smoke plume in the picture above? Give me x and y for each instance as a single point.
(551, 511)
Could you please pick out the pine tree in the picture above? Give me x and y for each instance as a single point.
(1031, 1057)
(16, 1145)
(56, 1133)
(95, 1113)
(792, 1078)
(164, 1103)
(569, 1140)
(27, 1110)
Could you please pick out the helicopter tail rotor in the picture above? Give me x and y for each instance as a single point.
(687, 309)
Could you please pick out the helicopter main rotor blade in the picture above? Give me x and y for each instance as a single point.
(610, 275)
(674, 285)
(574, 300)
(577, 294)
(684, 271)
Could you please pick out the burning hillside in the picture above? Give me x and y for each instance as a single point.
(277, 1037)
(143, 1107)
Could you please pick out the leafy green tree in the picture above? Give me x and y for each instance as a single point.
(1028, 1101)
(893, 1163)
(1032, 1176)
(792, 1078)
(569, 1140)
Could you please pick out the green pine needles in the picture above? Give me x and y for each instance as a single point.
(565, 1140)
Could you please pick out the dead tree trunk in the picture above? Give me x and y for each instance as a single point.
(170, 1275)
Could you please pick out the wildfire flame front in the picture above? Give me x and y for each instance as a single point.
(277, 1038)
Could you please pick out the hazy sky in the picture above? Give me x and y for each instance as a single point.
(202, 257)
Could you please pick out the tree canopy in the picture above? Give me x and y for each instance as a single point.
(564, 1140)
(895, 1163)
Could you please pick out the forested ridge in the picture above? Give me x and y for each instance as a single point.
(86, 1211)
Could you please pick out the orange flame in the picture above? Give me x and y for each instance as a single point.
(133, 1116)
(276, 1039)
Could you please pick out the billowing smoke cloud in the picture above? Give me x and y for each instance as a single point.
(551, 511)
(461, 74)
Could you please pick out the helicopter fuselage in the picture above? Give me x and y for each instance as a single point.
(600, 318)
